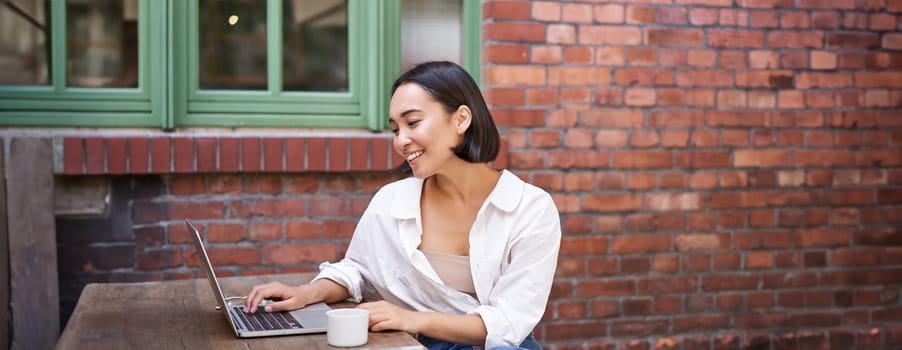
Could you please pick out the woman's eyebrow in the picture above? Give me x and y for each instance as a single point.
(405, 113)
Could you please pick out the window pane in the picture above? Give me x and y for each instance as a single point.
(315, 50)
(232, 39)
(102, 43)
(431, 30)
(24, 43)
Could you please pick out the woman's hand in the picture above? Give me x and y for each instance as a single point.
(387, 316)
(289, 297)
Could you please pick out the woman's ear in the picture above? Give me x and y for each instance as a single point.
(462, 119)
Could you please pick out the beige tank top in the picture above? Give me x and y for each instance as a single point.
(453, 270)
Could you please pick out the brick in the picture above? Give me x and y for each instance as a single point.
(793, 59)
(855, 20)
(644, 138)
(506, 53)
(734, 38)
(514, 31)
(720, 3)
(788, 39)
(676, 118)
(640, 15)
(643, 76)
(160, 156)
(892, 41)
(73, 155)
(642, 159)
(732, 59)
(206, 154)
(137, 156)
(228, 154)
(794, 20)
(672, 57)
(579, 76)
(725, 282)
(183, 154)
(853, 41)
(187, 185)
(196, 210)
(299, 253)
(763, 59)
(507, 9)
(733, 18)
(822, 238)
(546, 54)
(764, 19)
(736, 118)
(640, 244)
(700, 97)
(673, 201)
(773, 79)
(824, 20)
(695, 78)
(703, 16)
(516, 75)
(95, 155)
(115, 155)
(316, 154)
(578, 55)
(578, 159)
(338, 154)
(359, 154)
(673, 97)
(544, 11)
(823, 60)
(702, 58)
(882, 22)
(609, 35)
(612, 202)
(237, 256)
(272, 154)
(673, 37)
(610, 13)
(641, 56)
(731, 99)
(640, 97)
(576, 13)
(560, 34)
(670, 15)
(250, 154)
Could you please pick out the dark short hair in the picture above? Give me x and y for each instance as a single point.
(451, 85)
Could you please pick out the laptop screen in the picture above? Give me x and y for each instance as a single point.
(211, 276)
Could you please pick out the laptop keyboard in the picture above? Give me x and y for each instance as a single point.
(265, 321)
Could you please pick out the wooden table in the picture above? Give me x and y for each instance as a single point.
(182, 315)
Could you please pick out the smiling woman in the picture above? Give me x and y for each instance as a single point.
(448, 87)
(459, 254)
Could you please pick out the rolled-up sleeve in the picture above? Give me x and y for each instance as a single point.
(347, 271)
(518, 299)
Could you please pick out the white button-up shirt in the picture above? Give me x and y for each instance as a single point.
(514, 245)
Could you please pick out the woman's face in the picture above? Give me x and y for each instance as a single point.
(425, 132)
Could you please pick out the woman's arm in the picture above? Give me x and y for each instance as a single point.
(291, 297)
(460, 329)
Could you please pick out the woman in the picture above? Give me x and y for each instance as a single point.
(458, 254)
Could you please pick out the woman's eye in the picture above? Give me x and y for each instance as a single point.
(394, 131)
(412, 122)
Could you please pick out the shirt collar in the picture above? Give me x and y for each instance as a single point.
(505, 196)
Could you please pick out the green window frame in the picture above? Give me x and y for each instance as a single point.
(168, 97)
(61, 105)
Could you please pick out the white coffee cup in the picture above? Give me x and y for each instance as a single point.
(347, 327)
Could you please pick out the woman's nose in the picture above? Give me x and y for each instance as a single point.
(401, 139)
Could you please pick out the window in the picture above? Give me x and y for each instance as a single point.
(190, 63)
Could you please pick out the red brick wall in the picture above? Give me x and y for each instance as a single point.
(729, 174)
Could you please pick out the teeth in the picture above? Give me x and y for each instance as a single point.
(413, 155)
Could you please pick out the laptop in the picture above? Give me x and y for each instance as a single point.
(310, 319)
